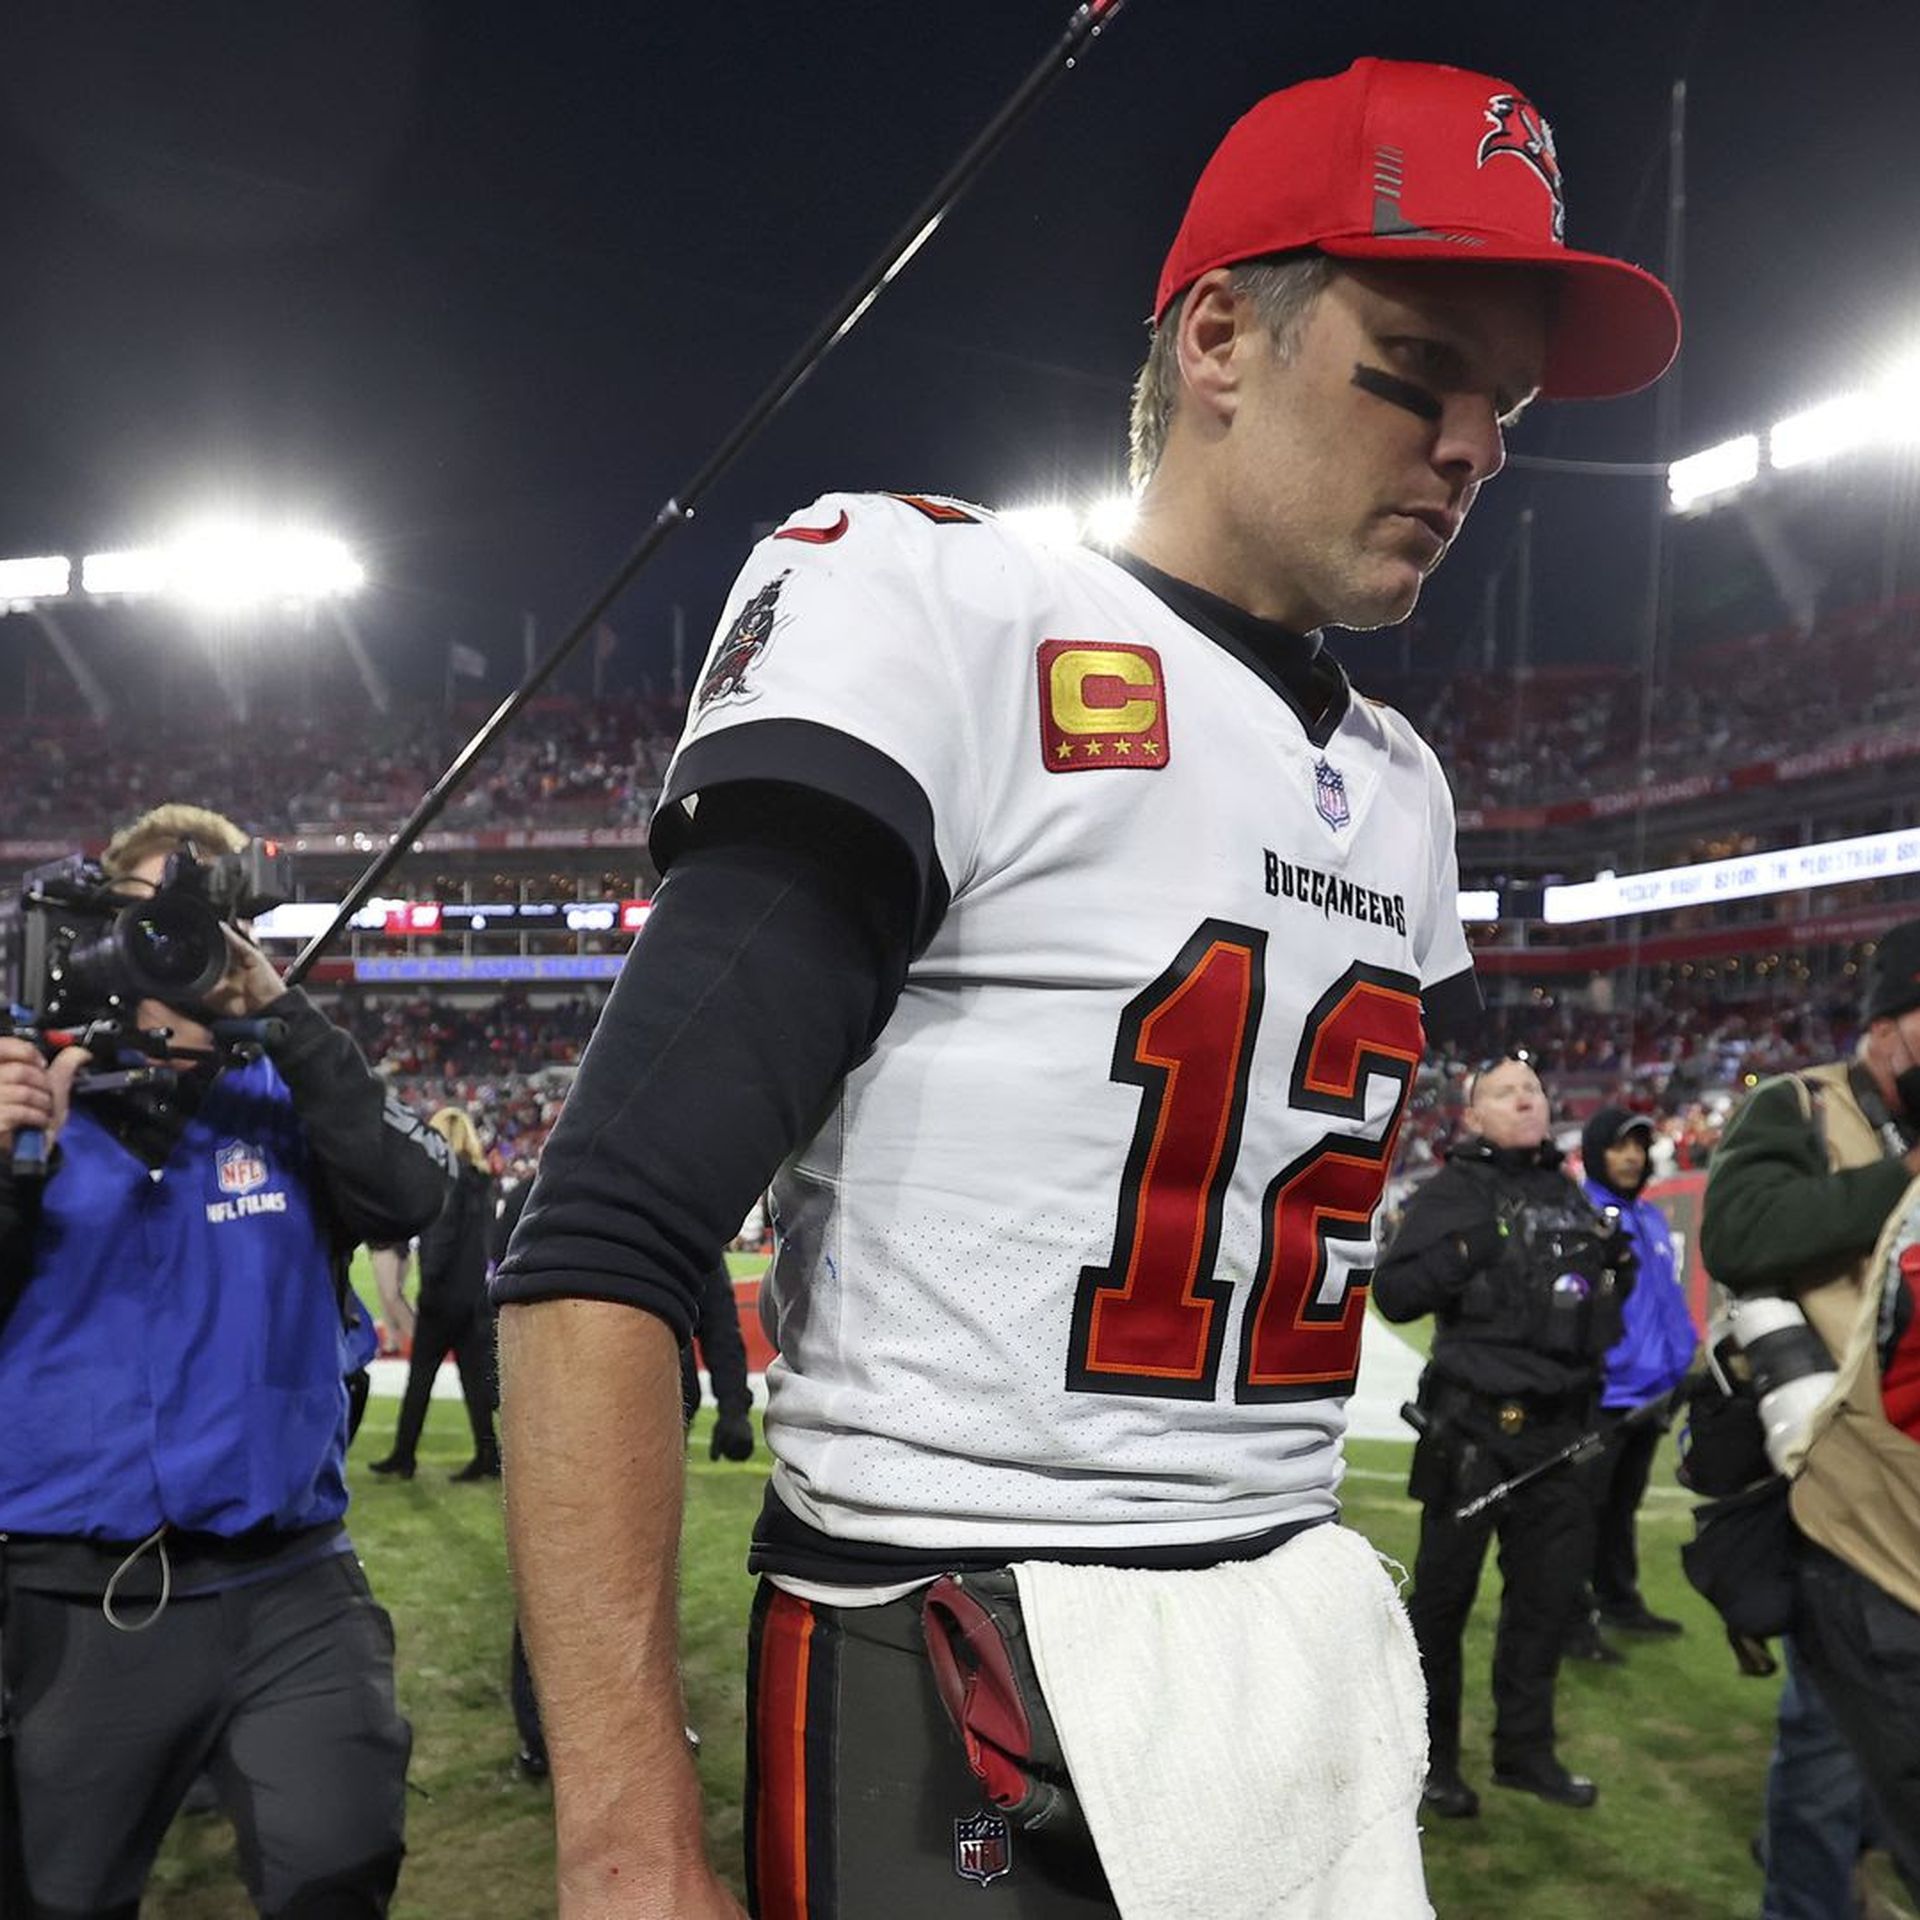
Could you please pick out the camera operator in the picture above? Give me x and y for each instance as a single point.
(179, 1591)
(1524, 1278)
(1811, 1220)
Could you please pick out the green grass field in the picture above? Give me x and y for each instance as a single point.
(1676, 1738)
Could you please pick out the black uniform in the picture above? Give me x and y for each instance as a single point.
(1524, 1280)
(454, 1316)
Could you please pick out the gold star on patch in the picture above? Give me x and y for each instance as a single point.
(1123, 746)
(1093, 749)
(1152, 746)
(1064, 751)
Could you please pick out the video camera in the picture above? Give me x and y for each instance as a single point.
(84, 949)
(79, 954)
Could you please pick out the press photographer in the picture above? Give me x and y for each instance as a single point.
(1812, 1220)
(178, 1201)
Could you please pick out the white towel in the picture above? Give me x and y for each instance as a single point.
(1248, 1741)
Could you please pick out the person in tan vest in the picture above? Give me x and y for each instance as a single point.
(1814, 1196)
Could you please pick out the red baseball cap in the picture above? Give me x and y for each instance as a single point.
(1399, 160)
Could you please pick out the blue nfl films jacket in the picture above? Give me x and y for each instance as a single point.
(178, 1355)
(1652, 1355)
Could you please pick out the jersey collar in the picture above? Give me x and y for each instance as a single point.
(1295, 665)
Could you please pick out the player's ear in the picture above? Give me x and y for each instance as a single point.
(1212, 335)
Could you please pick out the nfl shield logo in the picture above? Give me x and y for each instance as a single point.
(982, 1847)
(1330, 794)
(240, 1167)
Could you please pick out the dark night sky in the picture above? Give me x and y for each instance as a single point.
(480, 284)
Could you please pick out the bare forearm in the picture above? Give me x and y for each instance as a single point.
(594, 1452)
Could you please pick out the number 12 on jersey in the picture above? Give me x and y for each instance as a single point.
(1153, 1320)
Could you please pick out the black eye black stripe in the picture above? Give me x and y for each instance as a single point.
(1397, 392)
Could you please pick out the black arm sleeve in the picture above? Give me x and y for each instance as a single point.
(811, 764)
(382, 1171)
(1452, 1009)
(721, 1345)
(775, 952)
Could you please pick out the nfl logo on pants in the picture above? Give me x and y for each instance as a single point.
(982, 1847)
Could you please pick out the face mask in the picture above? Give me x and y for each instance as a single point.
(1907, 1085)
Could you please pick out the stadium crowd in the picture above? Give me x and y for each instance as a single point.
(597, 764)
(1566, 734)
(1686, 1037)
(506, 1037)
(505, 1061)
(1694, 1046)
(577, 763)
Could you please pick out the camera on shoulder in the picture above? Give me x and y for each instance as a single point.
(83, 948)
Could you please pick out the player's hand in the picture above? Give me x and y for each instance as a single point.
(32, 1093)
(250, 984)
(693, 1892)
(732, 1437)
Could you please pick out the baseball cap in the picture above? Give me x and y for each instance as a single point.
(1401, 160)
(1893, 974)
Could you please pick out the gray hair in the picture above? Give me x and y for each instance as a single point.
(1282, 291)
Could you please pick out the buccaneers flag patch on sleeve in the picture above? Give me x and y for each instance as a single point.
(1102, 704)
(746, 641)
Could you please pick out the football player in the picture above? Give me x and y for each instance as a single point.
(1060, 934)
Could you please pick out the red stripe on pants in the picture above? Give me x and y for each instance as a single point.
(780, 1738)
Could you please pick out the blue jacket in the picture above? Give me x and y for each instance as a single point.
(1653, 1354)
(175, 1347)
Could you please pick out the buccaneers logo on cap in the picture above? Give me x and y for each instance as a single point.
(1519, 130)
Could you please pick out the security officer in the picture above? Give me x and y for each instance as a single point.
(1524, 1278)
(179, 1590)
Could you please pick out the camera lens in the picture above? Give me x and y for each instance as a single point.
(168, 956)
(169, 948)
(172, 947)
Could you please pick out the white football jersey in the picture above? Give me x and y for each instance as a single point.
(1081, 1253)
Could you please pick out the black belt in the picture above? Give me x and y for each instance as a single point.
(1514, 1412)
(78, 1568)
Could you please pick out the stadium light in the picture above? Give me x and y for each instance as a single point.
(1885, 414)
(1110, 520)
(1898, 396)
(43, 577)
(1824, 432)
(228, 564)
(1715, 470)
(131, 570)
(1053, 524)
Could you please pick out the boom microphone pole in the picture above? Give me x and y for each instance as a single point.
(1088, 22)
